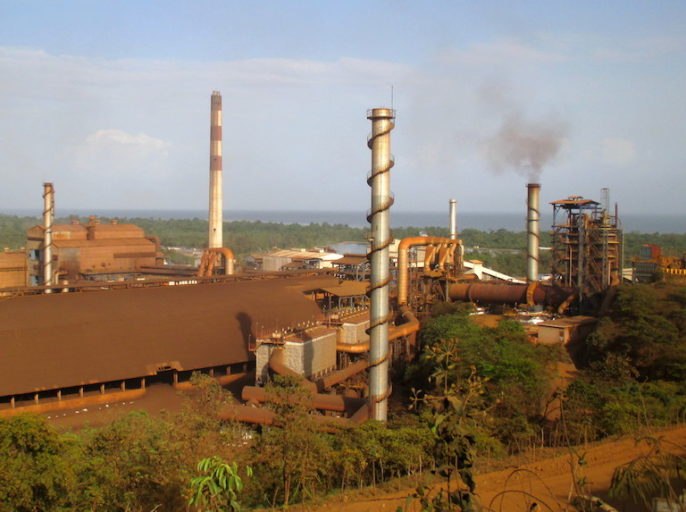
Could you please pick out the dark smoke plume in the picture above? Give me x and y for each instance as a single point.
(523, 146)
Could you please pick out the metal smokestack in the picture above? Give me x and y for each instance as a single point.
(379, 180)
(453, 219)
(215, 214)
(48, 216)
(533, 239)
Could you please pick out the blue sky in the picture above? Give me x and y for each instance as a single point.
(110, 101)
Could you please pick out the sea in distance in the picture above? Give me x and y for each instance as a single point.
(643, 223)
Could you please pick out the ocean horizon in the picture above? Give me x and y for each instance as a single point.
(484, 221)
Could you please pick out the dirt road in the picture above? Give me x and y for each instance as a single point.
(549, 480)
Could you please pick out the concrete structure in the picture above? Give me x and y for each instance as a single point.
(380, 182)
(310, 353)
(215, 210)
(353, 329)
(565, 330)
(533, 231)
(290, 259)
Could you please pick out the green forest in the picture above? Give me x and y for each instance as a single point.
(500, 249)
(472, 395)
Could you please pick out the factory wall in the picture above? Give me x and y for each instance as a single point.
(13, 269)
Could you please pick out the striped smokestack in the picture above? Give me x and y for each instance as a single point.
(215, 214)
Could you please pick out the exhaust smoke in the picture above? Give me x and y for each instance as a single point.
(524, 146)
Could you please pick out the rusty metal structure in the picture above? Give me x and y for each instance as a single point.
(215, 209)
(380, 182)
(94, 251)
(441, 263)
(652, 265)
(587, 248)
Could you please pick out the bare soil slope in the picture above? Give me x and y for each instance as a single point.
(549, 480)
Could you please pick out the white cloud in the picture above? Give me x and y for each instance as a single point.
(140, 143)
(120, 152)
(618, 152)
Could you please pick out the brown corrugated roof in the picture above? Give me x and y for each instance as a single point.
(105, 242)
(575, 201)
(69, 339)
(348, 288)
(349, 259)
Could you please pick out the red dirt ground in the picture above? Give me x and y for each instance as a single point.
(550, 480)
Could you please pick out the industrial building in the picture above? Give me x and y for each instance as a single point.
(99, 324)
(91, 251)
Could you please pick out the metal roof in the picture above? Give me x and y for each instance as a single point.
(69, 339)
(297, 254)
(350, 259)
(104, 242)
(348, 288)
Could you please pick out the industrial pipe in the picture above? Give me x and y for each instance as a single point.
(403, 259)
(325, 402)
(380, 182)
(215, 213)
(453, 219)
(228, 258)
(509, 293)
(533, 238)
(262, 416)
(342, 375)
(48, 217)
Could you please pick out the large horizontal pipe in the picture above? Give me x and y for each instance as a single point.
(262, 416)
(321, 401)
(343, 374)
(511, 293)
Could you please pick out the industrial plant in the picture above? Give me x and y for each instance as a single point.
(91, 313)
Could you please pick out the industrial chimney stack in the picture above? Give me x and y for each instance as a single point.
(533, 232)
(48, 217)
(215, 214)
(453, 219)
(379, 311)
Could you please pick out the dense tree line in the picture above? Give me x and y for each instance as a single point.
(494, 247)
